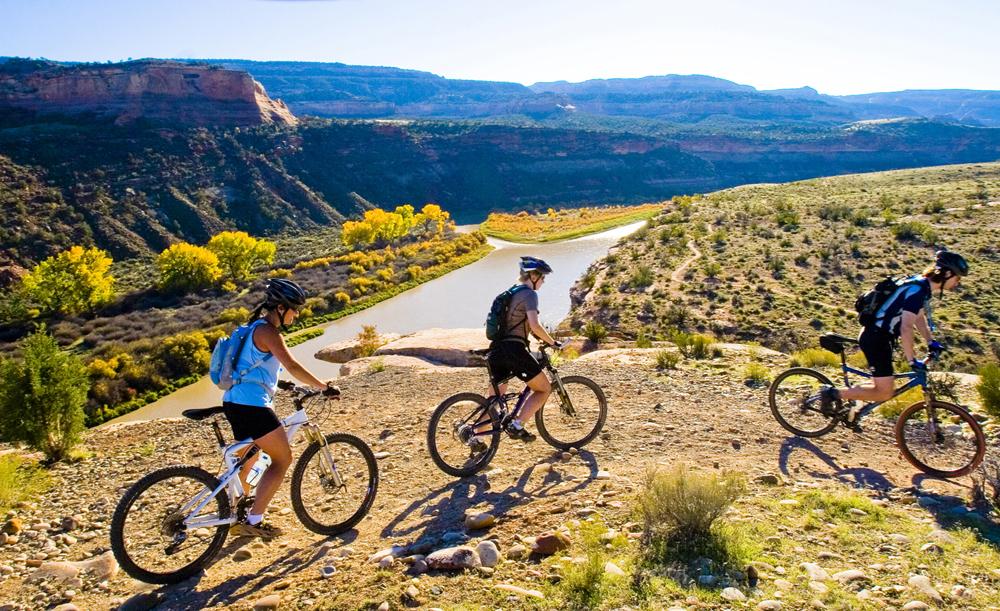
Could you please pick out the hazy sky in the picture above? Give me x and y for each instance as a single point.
(839, 47)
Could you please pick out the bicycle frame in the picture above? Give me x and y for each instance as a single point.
(915, 379)
(229, 479)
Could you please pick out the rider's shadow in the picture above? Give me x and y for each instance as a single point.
(443, 509)
(950, 510)
(858, 477)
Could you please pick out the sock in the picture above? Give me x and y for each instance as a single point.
(253, 519)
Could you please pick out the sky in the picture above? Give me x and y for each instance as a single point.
(838, 47)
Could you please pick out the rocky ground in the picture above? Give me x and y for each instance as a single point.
(54, 550)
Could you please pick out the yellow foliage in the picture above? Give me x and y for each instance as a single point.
(185, 267)
(239, 253)
(73, 281)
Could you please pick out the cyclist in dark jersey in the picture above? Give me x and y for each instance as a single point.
(509, 355)
(908, 308)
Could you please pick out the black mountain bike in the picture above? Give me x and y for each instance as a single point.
(939, 438)
(571, 418)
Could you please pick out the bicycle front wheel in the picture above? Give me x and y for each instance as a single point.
(795, 404)
(148, 535)
(334, 484)
(940, 439)
(452, 425)
(571, 419)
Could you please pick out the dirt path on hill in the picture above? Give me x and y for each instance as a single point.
(701, 414)
(677, 277)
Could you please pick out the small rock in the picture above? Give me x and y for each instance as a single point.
(386, 562)
(419, 567)
(941, 536)
(488, 553)
(915, 605)
(613, 569)
(267, 603)
(550, 543)
(395, 550)
(819, 587)
(854, 511)
(768, 479)
(602, 475)
(922, 584)
(517, 552)
(788, 503)
(769, 605)
(479, 521)
(506, 587)
(327, 571)
(830, 556)
(383, 607)
(66, 607)
(53, 571)
(814, 571)
(850, 576)
(732, 594)
(411, 596)
(453, 558)
(566, 456)
(381, 455)
(242, 554)
(69, 523)
(931, 548)
(783, 584)
(899, 539)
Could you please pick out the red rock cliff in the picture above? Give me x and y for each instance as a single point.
(154, 90)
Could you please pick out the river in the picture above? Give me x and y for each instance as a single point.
(459, 299)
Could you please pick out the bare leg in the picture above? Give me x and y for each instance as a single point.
(485, 428)
(276, 445)
(541, 388)
(880, 390)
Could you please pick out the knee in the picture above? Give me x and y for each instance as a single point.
(543, 386)
(281, 458)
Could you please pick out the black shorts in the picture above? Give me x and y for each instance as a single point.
(250, 421)
(511, 359)
(877, 346)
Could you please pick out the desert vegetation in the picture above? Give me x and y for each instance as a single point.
(563, 224)
(781, 264)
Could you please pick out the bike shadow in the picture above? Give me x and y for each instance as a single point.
(858, 477)
(952, 511)
(443, 509)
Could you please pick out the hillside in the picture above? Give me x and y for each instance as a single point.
(844, 502)
(779, 264)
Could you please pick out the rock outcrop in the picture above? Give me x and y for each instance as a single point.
(158, 91)
(423, 350)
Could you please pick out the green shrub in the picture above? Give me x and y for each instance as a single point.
(915, 230)
(694, 345)
(238, 253)
(815, 357)
(42, 396)
(756, 374)
(19, 480)
(642, 277)
(595, 331)
(679, 507)
(989, 389)
(231, 316)
(642, 340)
(667, 359)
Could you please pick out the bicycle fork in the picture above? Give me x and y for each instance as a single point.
(328, 473)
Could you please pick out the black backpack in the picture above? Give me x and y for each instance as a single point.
(496, 320)
(869, 302)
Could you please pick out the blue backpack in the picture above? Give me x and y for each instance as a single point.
(226, 354)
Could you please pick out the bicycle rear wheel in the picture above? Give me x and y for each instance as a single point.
(450, 428)
(940, 439)
(334, 484)
(148, 535)
(573, 419)
(794, 400)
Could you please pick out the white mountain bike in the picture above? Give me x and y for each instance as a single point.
(172, 522)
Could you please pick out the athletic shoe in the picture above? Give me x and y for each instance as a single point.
(263, 530)
(516, 431)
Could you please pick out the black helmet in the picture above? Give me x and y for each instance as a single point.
(284, 292)
(531, 264)
(953, 262)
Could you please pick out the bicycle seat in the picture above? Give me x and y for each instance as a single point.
(202, 413)
(836, 343)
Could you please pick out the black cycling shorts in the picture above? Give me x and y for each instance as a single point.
(250, 421)
(511, 359)
(877, 346)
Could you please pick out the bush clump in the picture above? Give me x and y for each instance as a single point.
(368, 341)
(667, 359)
(989, 389)
(695, 345)
(42, 396)
(814, 357)
(595, 331)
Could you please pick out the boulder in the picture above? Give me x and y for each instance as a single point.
(550, 543)
(478, 521)
(364, 365)
(442, 346)
(347, 350)
(453, 558)
(488, 553)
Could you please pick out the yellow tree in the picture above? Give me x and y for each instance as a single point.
(73, 281)
(239, 253)
(407, 213)
(387, 226)
(357, 233)
(185, 267)
(433, 219)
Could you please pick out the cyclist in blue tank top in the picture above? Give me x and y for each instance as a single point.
(248, 403)
(908, 308)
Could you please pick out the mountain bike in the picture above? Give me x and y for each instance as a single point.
(936, 437)
(172, 522)
(572, 417)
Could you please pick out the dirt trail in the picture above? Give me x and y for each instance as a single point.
(698, 414)
(677, 277)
